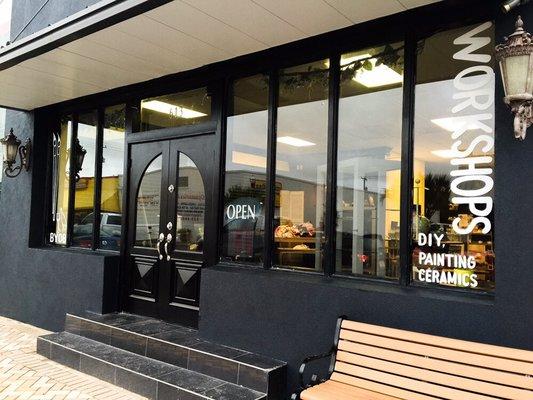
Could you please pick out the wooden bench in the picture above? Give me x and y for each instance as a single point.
(370, 362)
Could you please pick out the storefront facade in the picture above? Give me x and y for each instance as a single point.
(370, 171)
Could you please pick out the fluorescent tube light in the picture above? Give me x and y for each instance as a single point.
(453, 124)
(381, 75)
(253, 160)
(446, 153)
(292, 141)
(171, 109)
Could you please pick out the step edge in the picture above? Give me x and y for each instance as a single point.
(283, 363)
(43, 338)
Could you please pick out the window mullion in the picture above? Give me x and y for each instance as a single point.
(407, 158)
(72, 179)
(271, 167)
(331, 183)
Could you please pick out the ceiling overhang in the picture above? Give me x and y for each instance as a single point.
(116, 43)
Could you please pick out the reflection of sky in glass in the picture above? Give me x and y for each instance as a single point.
(113, 152)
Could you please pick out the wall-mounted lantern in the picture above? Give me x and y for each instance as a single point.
(12, 148)
(516, 65)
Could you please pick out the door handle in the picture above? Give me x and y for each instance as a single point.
(169, 240)
(161, 238)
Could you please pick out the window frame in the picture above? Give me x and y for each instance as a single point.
(410, 38)
(409, 27)
(97, 196)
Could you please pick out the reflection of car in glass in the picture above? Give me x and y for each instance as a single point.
(110, 231)
(245, 238)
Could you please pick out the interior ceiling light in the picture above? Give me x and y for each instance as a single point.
(380, 75)
(453, 124)
(253, 160)
(445, 153)
(171, 109)
(292, 141)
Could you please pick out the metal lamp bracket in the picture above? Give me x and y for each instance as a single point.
(24, 153)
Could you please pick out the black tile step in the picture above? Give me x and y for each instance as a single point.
(150, 378)
(182, 347)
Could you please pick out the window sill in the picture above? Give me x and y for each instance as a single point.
(79, 250)
(362, 284)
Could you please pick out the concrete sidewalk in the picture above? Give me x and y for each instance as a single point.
(26, 375)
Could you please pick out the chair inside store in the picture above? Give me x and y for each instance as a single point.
(370, 362)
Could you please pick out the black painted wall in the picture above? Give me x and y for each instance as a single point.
(290, 316)
(40, 285)
(279, 314)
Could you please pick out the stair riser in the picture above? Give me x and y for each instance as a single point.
(148, 387)
(230, 370)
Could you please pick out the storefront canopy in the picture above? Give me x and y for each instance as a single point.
(120, 42)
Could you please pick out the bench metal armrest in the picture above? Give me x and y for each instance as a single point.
(309, 360)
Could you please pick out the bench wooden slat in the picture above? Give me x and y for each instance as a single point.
(349, 362)
(489, 375)
(348, 371)
(380, 387)
(436, 352)
(341, 391)
(463, 345)
(407, 365)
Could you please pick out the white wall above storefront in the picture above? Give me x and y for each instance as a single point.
(177, 36)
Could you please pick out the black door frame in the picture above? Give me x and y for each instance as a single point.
(212, 127)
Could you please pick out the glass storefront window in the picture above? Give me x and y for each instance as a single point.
(112, 178)
(74, 150)
(185, 108)
(245, 178)
(190, 207)
(453, 210)
(61, 142)
(85, 143)
(301, 166)
(369, 162)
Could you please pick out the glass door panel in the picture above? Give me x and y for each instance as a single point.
(191, 207)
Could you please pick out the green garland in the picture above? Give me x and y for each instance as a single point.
(318, 77)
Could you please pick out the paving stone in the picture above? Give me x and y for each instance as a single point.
(25, 375)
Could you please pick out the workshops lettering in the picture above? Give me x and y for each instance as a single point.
(472, 179)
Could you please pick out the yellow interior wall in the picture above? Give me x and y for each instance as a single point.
(392, 198)
(110, 196)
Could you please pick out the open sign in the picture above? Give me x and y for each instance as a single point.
(241, 211)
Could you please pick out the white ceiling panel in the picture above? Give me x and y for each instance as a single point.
(251, 19)
(50, 84)
(178, 36)
(140, 48)
(107, 73)
(364, 10)
(210, 30)
(159, 34)
(95, 51)
(311, 17)
(416, 3)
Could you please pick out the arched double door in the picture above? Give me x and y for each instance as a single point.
(171, 224)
